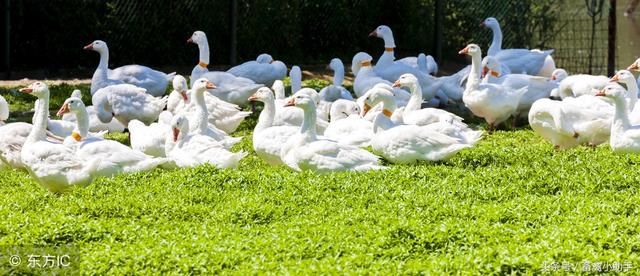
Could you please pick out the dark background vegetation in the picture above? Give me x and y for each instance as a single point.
(49, 35)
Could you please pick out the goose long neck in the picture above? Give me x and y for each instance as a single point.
(40, 118)
(389, 103)
(309, 123)
(104, 59)
(338, 76)
(474, 75)
(201, 109)
(415, 102)
(621, 120)
(632, 87)
(265, 120)
(496, 43)
(82, 122)
(203, 49)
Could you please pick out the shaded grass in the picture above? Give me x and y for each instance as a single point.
(508, 205)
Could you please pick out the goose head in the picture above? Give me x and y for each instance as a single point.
(38, 89)
(623, 76)
(490, 65)
(335, 64)
(203, 84)
(98, 46)
(262, 95)
(471, 50)
(264, 58)
(198, 37)
(375, 96)
(72, 104)
(559, 74)
(613, 91)
(342, 108)
(309, 92)
(490, 22)
(635, 66)
(180, 85)
(360, 60)
(406, 80)
(301, 101)
(179, 127)
(385, 33)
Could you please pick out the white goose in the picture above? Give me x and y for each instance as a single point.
(625, 77)
(267, 138)
(4, 110)
(336, 91)
(228, 87)
(494, 103)
(306, 152)
(366, 78)
(537, 87)
(425, 63)
(263, 70)
(55, 166)
(199, 117)
(409, 143)
(578, 85)
(155, 82)
(150, 139)
(95, 125)
(531, 62)
(115, 158)
(187, 149)
(126, 102)
(625, 137)
(223, 115)
(346, 126)
(414, 114)
(635, 66)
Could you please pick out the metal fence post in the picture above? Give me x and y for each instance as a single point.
(611, 53)
(439, 18)
(233, 53)
(7, 37)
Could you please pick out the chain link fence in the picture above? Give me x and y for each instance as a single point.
(49, 35)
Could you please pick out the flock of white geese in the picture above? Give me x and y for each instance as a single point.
(393, 109)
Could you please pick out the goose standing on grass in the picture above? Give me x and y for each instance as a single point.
(155, 82)
(223, 115)
(625, 137)
(229, 88)
(347, 126)
(54, 165)
(578, 85)
(264, 70)
(336, 91)
(530, 62)
(494, 103)
(115, 158)
(414, 114)
(404, 144)
(187, 149)
(4, 110)
(126, 102)
(268, 139)
(537, 87)
(304, 151)
(95, 125)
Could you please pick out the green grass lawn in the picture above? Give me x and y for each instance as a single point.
(511, 204)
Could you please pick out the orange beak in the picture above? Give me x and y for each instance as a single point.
(88, 47)
(252, 98)
(366, 108)
(601, 93)
(63, 109)
(634, 67)
(189, 40)
(27, 90)
(615, 78)
(485, 70)
(176, 132)
(396, 83)
(553, 77)
(374, 33)
(290, 102)
(184, 96)
(464, 51)
(210, 85)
